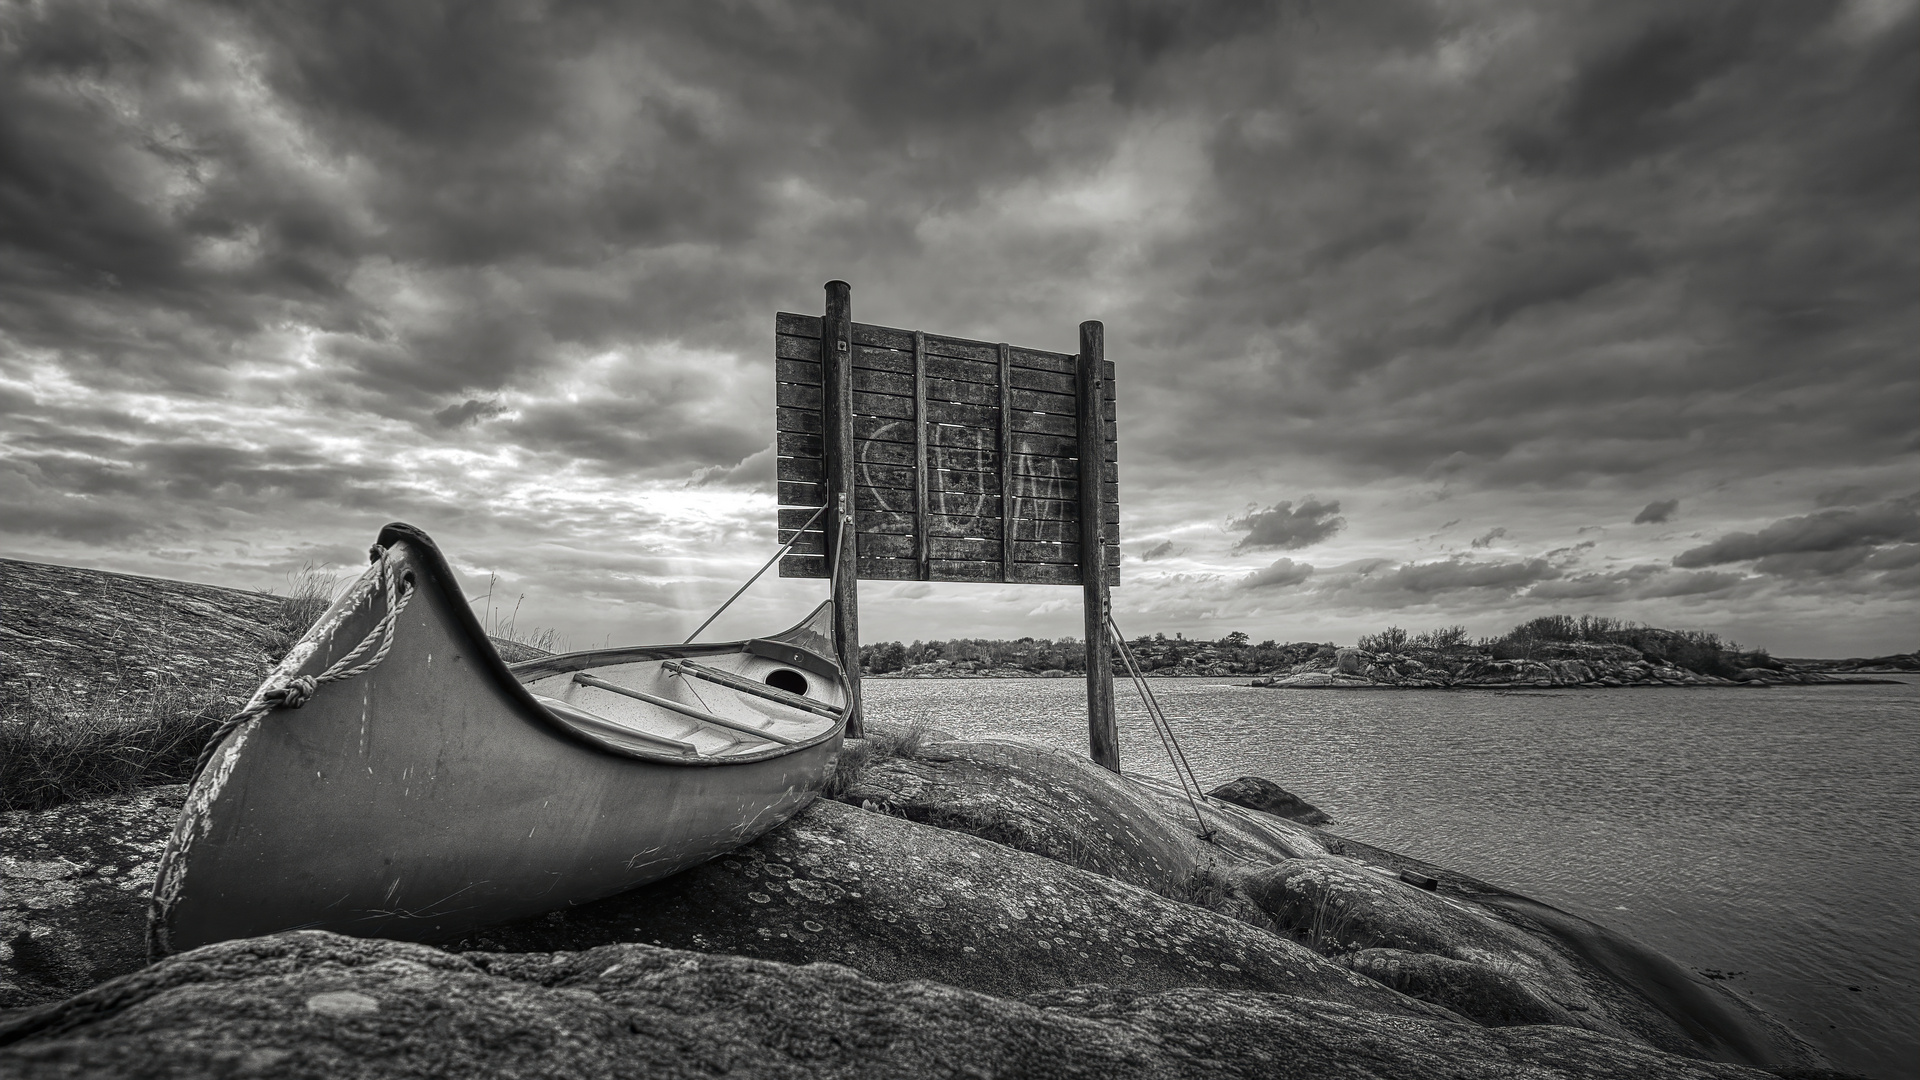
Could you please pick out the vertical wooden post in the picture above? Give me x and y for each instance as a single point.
(1006, 463)
(922, 537)
(843, 541)
(1103, 735)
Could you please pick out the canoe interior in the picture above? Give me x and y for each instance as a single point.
(435, 794)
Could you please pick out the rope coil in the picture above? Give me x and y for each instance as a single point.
(297, 691)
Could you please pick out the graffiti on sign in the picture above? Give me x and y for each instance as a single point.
(966, 457)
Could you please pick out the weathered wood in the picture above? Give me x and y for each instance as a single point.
(836, 338)
(923, 551)
(815, 566)
(1005, 388)
(786, 322)
(978, 526)
(1103, 735)
(808, 421)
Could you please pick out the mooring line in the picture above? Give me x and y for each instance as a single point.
(1176, 756)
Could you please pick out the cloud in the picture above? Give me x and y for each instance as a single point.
(1452, 575)
(1157, 551)
(1657, 512)
(1279, 573)
(1487, 538)
(1282, 526)
(1827, 531)
(1642, 582)
(470, 411)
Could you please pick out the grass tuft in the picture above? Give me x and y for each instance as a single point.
(310, 592)
(61, 744)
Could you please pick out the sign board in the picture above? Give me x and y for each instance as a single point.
(965, 457)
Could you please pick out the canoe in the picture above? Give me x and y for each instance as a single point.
(394, 777)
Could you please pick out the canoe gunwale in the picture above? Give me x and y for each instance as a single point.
(512, 679)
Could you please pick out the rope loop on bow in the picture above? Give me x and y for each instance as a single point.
(297, 691)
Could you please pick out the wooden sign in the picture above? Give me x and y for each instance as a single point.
(965, 457)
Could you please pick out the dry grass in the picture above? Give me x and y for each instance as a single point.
(883, 741)
(115, 731)
(60, 744)
(310, 592)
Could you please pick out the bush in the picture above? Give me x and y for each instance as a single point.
(1391, 640)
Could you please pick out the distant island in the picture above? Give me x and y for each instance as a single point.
(1550, 651)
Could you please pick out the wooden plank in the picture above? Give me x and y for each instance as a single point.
(922, 552)
(961, 348)
(894, 408)
(815, 566)
(869, 474)
(965, 437)
(790, 395)
(1060, 468)
(804, 470)
(885, 337)
(1050, 532)
(968, 371)
(807, 421)
(970, 393)
(797, 349)
(799, 371)
(799, 444)
(883, 429)
(786, 322)
(1039, 401)
(1052, 382)
(868, 381)
(884, 360)
(1043, 423)
(1042, 360)
(951, 412)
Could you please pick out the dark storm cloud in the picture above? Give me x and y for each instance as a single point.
(1278, 574)
(470, 411)
(1497, 352)
(1657, 512)
(1827, 532)
(1282, 526)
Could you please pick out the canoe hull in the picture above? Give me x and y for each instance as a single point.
(427, 797)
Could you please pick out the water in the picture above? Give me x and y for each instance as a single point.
(1771, 836)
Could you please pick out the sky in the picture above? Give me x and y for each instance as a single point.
(1424, 313)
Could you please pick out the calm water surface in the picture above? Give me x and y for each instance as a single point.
(1769, 835)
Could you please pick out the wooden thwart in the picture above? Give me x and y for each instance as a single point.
(747, 686)
(684, 710)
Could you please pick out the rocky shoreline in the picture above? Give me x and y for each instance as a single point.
(1571, 665)
(956, 908)
(962, 908)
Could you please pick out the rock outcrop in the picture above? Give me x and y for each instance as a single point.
(1256, 793)
(73, 892)
(989, 904)
(309, 1004)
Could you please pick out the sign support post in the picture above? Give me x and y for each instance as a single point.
(1103, 735)
(843, 541)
